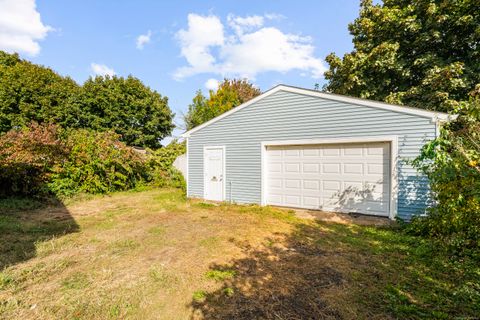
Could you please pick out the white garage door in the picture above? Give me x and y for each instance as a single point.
(340, 177)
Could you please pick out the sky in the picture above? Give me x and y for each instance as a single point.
(178, 47)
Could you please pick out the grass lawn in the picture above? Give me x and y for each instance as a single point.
(154, 255)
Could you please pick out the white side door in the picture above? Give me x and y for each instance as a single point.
(213, 169)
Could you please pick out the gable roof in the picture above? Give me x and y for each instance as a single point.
(432, 115)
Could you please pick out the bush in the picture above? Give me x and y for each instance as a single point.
(45, 159)
(452, 163)
(97, 163)
(27, 157)
(162, 171)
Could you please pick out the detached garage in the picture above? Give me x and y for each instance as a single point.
(301, 148)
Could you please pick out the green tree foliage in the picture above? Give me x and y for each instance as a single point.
(138, 114)
(452, 163)
(29, 92)
(230, 93)
(420, 53)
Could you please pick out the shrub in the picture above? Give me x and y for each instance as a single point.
(42, 159)
(97, 163)
(26, 158)
(452, 163)
(162, 171)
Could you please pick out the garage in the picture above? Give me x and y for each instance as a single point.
(301, 148)
(333, 177)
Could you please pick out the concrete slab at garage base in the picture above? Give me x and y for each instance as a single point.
(343, 218)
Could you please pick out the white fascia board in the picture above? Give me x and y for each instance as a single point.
(369, 103)
(434, 116)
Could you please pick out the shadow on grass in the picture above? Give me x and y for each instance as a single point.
(282, 280)
(24, 223)
(333, 271)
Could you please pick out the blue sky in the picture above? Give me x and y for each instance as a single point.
(178, 47)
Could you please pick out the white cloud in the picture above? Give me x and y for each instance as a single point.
(143, 39)
(101, 70)
(245, 48)
(21, 27)
(202, 33)
(274, 16)
(212, 84)
(242, 24)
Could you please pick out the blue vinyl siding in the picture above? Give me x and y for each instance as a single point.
(289, 116)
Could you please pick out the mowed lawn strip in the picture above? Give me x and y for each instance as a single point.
(154, 255)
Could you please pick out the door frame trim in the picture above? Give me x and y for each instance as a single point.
(205, 148)
(392, 139)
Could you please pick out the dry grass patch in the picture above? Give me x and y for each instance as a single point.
(153, 254)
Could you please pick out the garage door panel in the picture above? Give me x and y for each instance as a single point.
(311, 168)
(274, 167)
(377, 149)
(311, 184)
(353, 168)
(347, 177)
(275, 199)
(379, 187)
(292, 167)
(353, 151)
(377, 168)
(275, 183)
(292, 183)
(330, 168)
(330, 151)
(331, 185)
(292, 200)
(311, 152)
(311, 202)
(292, 153)
(275, 154)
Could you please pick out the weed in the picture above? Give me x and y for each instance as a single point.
(5, 280)
(19, 204)
(162, 276)
(9, 224)
(204, 205)
(209, 242)
(199, 296)
(228, 291)
(121, 246)
(76, 282)
(220, 275)
(157, 230)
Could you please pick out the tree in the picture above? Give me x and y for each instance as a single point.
(452, 164)
(198, 112)
(230, 93)
(140, 116)
(30, 92)
(420, 53)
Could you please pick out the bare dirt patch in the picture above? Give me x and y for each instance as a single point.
(344, 218)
